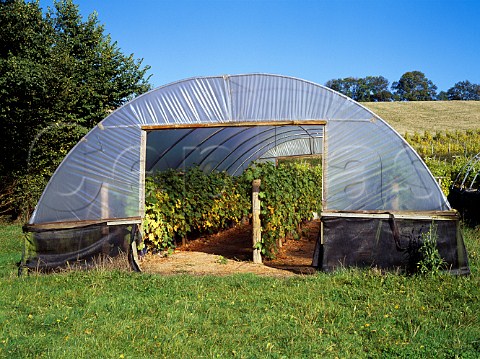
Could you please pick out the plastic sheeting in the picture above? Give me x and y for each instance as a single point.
(228, 149)
(369, 166)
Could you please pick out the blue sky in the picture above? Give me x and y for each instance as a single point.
(314, 40)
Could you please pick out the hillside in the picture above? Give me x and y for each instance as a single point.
(428, 115)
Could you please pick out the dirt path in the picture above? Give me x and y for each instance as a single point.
(230, 252)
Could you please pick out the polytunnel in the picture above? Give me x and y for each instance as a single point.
(378, 195)
(464, 193)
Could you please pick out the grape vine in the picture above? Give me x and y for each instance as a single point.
(179, 204)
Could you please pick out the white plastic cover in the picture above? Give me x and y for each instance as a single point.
(369, 165)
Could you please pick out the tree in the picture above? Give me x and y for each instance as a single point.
(414, 86)
(24, 41)
(368, 89)
(376, 88)
(59, 76)
(442, 96)
(464, 90)
(348, 86)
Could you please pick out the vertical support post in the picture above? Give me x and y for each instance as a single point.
(257, 228)
(141, 170)
(141, 199)
(324, 167)
(104, 201)
(105, 210)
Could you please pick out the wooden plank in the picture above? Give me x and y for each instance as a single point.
(50, 226)
(419, 215)
(257, 227)
(324, 166)
(128, 221)
(104, 200)
(143, 153)
(232, 124)
(315, 155)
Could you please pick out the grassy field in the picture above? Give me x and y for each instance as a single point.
(428, 115)
(352, 313)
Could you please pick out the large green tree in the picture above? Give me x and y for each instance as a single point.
(414, 86)
(60, 74)
(376, 89)
(464, 90)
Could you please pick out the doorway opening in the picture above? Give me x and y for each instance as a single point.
(232, 149)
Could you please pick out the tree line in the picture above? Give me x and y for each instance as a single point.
(412, 86)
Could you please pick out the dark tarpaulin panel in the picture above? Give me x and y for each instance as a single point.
(57, 248)
(387, 243)
(467, 202)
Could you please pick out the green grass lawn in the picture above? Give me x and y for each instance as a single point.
(351, 313)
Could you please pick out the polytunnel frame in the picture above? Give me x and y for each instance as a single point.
(303, 99)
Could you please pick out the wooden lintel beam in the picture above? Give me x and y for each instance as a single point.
(233, 124)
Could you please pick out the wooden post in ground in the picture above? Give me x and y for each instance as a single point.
(257, 228)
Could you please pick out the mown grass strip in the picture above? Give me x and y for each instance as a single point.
(351, 313)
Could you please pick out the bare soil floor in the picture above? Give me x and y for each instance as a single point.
(230, 252)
